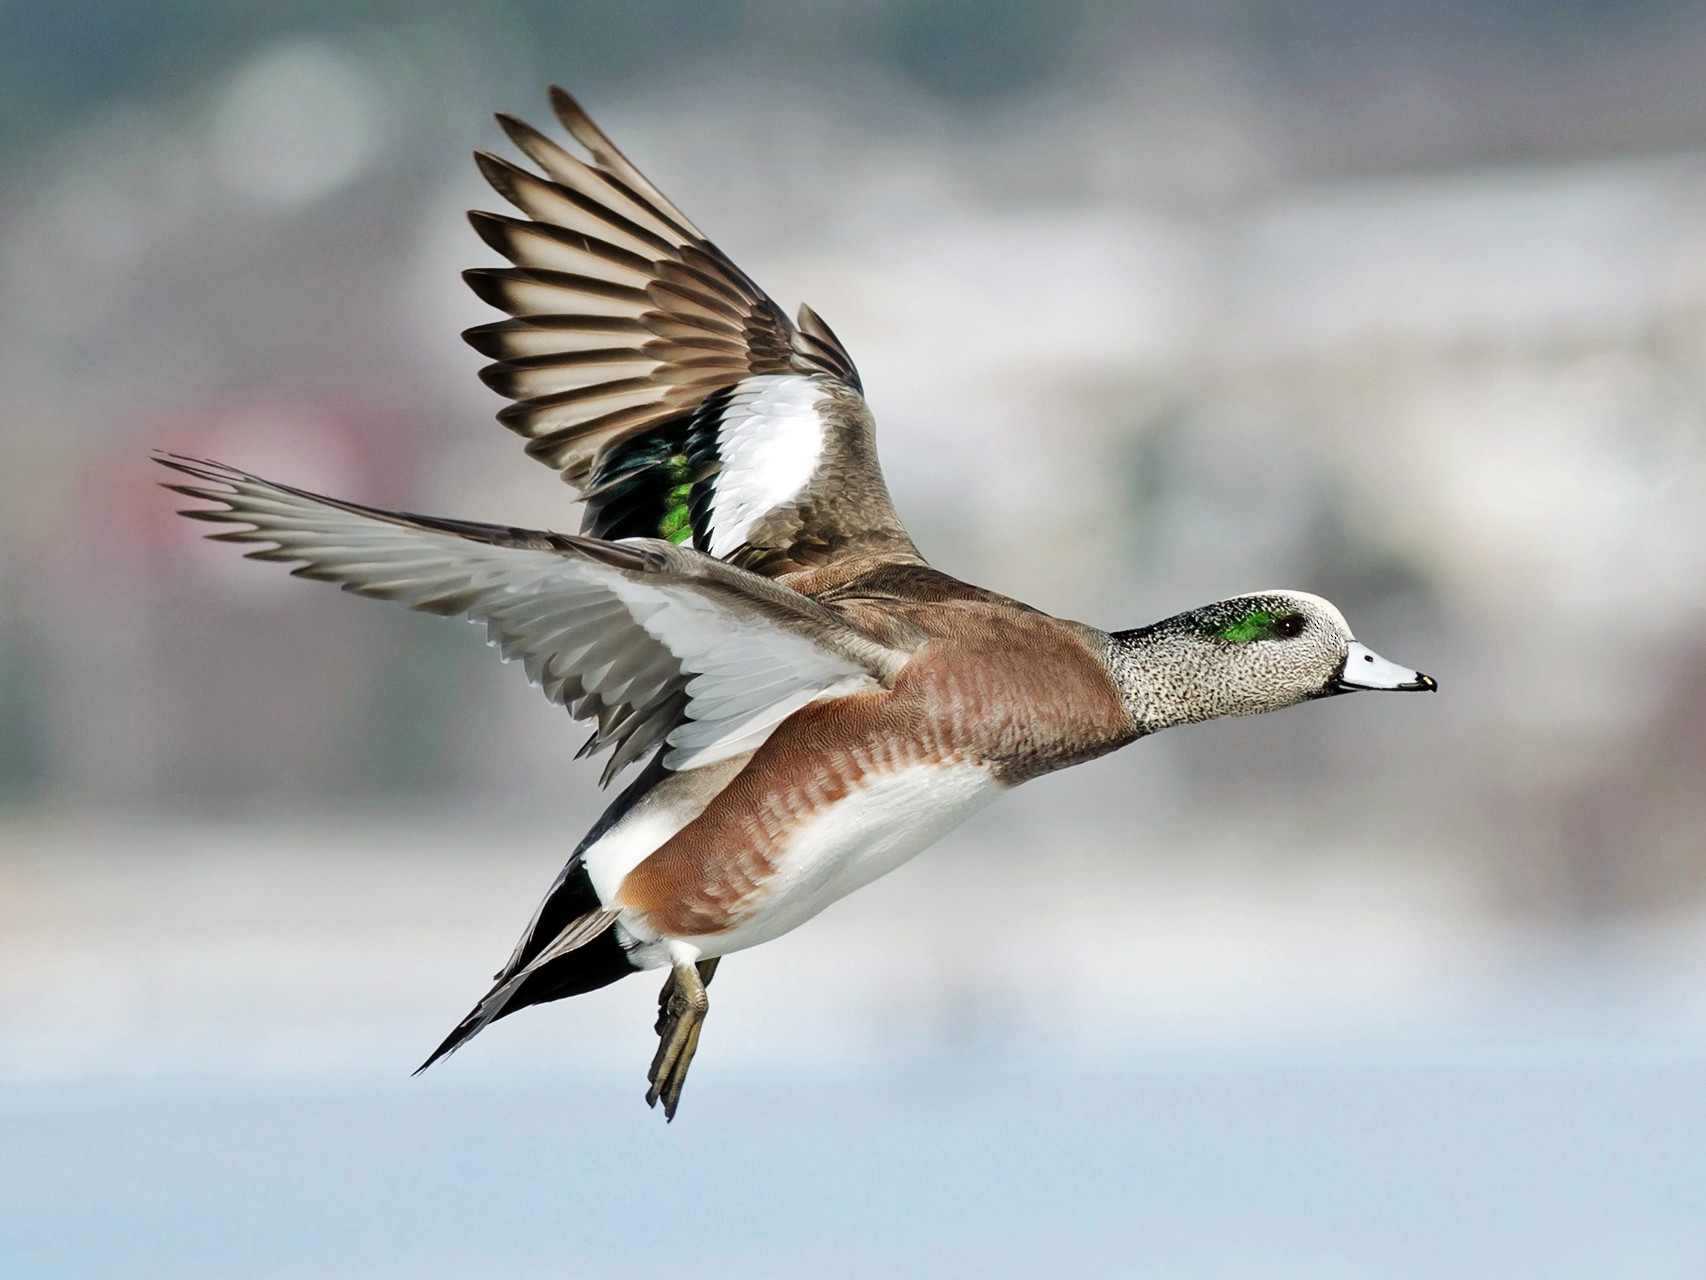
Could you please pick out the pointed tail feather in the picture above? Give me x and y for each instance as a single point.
(584, 957)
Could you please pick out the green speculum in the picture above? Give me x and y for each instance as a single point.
(1252, 626)
(677, 522)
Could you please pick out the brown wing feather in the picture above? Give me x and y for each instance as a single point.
(602, 243)
(626, 322)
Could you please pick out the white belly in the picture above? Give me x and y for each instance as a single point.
(865, 835)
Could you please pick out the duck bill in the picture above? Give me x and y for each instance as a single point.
(1365, 669)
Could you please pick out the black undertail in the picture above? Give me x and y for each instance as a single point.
(597, 964)
(594, 964)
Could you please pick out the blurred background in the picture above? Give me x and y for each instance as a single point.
(1399, 301)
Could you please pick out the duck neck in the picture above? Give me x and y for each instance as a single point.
(1163, 679)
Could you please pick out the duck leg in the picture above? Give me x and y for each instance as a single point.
(681, 1012)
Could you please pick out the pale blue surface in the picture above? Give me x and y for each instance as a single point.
(1502, 1161)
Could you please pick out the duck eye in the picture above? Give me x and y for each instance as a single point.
(1290, 625)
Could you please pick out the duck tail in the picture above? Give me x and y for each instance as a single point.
(587, 955)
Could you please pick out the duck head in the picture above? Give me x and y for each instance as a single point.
(1246, 655)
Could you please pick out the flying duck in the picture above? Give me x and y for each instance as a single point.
(742, 611)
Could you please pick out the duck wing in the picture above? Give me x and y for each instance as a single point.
(650, 642)
(660, 381)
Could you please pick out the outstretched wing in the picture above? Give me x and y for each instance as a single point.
(660, 381)
(650, 641)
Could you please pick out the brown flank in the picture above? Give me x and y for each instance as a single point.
(992, 682)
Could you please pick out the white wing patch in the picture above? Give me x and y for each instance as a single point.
(747, 674)
(770, 443)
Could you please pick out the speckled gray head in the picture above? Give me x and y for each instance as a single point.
(1246, 655)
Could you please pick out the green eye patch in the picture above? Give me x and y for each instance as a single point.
(1254, 625)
